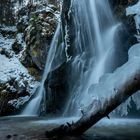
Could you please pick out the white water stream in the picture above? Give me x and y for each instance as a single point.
(33, 107)
(96, 37)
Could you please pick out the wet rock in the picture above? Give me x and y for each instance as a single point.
(57, 86)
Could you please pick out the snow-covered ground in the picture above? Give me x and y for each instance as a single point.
(11, 68)
(5, 43)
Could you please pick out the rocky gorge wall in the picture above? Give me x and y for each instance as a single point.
(26, 45)
(23, 52)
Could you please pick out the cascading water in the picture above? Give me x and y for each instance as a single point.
(96, 42)
(96, 45)
(34, 106)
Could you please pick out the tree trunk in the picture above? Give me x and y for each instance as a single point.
(92, 117)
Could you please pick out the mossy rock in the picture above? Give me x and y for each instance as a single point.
(38, 36)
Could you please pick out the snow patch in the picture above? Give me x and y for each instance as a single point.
(10, 68)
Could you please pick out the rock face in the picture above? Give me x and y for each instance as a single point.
(56, 87)
(16, 85)
(38, 35)
(27, 43)
(119, 9)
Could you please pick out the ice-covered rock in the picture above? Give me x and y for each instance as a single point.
(15, 85)
(110, 84)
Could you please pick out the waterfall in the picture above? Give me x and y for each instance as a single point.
(98, 51)
(97, 42)
(34, 106)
